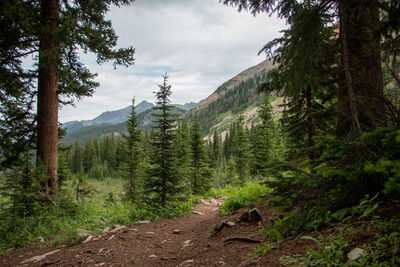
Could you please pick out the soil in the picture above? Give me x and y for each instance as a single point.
(182, 241)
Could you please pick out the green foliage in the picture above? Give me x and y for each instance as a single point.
(332, 250)
(240, 196)
(262, 250)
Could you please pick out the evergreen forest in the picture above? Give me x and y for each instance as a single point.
(328, 157)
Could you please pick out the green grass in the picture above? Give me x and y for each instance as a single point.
(240, 196)
(94, 212)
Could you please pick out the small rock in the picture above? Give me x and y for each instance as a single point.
(187, 261)
(105, 230)
(164, 241)
(213, 201)
(150, 233)
(177, 232)
(152, 256)
(144, 222)
(220, 263)
(355, 254)
(90, 237)
(101, 264)
(133, 229)
(82, 232)
(198, 213)
(41, 239)
(250, 215)
(186, 242)
(230, 223)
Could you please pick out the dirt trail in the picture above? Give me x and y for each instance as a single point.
(182, 241)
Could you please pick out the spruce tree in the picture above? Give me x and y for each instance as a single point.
(200, 176)
(183, 154)
(162, 180)
(132, 152)
(241, 151)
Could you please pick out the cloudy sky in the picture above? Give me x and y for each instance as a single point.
(200, 43)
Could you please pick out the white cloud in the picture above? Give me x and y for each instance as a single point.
(200, 43)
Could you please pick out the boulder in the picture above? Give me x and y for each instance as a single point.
(250, 215)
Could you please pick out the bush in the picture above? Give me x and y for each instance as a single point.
(240, 196)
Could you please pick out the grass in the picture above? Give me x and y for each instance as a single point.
(94, 212)
(240, 196)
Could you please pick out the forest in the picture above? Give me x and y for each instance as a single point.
(329, 160)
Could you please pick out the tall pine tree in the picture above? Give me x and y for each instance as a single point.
(162, 180)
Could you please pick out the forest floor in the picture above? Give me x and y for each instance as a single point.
(181, 241)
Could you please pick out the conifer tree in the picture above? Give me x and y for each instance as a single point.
(241, 151)
(77, 158)
(162, 180)
(200, 176)
(182, 151)
(132, 152)
(52, 32)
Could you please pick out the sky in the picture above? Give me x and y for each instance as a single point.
(199, 43)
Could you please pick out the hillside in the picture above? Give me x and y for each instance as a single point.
(108, 117)
(86, 133)
(237, 96)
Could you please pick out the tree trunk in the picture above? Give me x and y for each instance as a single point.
(359, 22)
(47, 99)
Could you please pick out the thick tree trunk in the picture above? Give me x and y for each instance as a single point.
(47, 99)
(363, 74)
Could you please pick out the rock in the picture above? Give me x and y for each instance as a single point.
(164, 241)
(153, 256)
(82, 232)
(119, 228)
(355, 254)
(176, 232)
(198, 213)
(220, 263)
(40, 257)
(144, 222)
(90, 237)
(41, 239)
(105, 230)
(186, 244)
(218, 227)
(101, 264)
(187, 262)
(250, 215)
(213, 201)
(150, 233)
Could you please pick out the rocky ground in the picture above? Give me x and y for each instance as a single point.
(182, 241)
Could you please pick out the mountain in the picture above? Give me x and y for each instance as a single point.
(238, 96)
(78, 131)
(108, 117)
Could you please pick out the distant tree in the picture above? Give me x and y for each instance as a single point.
(200, 174)
(132, 152)
(241, 151)
(183, 154)
(77, 158)
(52, 32)
(162, 181)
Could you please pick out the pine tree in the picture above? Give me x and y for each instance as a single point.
(77, 158)
(132, 152)
(52, 32)
(182, 151)
(200, 176)
(241, 151)
(162, 180)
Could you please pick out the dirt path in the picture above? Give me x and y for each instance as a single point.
(182, 241)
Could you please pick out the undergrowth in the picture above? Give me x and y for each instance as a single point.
(240, 196)
(103, 207)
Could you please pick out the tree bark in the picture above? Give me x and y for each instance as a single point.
(47, 98)
(359, 22)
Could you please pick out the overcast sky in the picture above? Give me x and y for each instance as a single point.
(200, 43)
